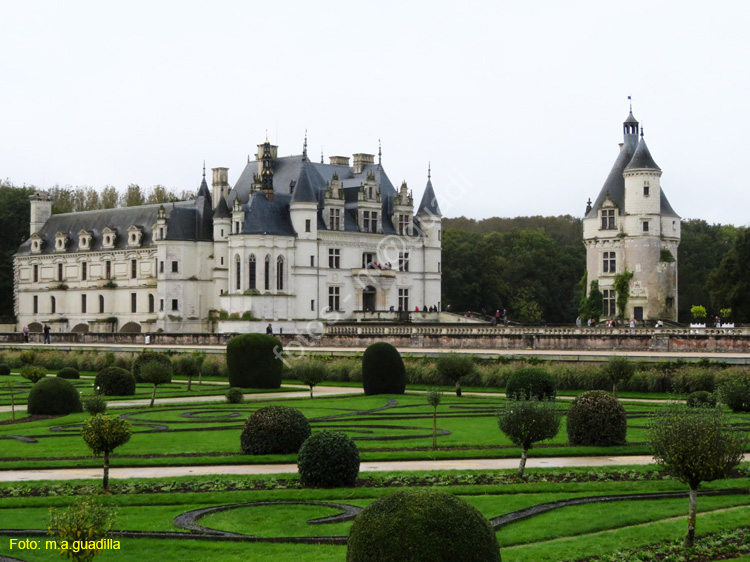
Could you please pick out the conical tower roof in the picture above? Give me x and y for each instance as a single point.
(307, 187)
(429, 204)
(642, 158)
(222, 209)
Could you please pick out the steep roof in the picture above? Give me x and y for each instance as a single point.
(268, 217)
(309, 185)
(429, 204)
(222, 209)
(642, 158)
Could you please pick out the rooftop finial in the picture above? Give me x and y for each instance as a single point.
(321, 154)
(380, 153)
(630, 101)
(429, 170)
(204, 169)
(641, 129)
(304, 148)
(266, 135)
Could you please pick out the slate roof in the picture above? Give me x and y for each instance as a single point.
(429, 204)
(222, 209)
(642, 158)
(268, 217)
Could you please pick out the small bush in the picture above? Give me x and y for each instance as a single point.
(27, 357)
(33, 373)
(309, 373)
(274, 430)
(235, 395)
(210, 367)
(148, 357)
(68, 373)
(701, 398)
(531, 382)
(254, 361)
(735, 393)
(383, 370)
(429, 525)
(156, 373)
(596, 418)
(454, 366)
(328, 459)
(86, 520)
(4, 370)
(618, 369)
(94, 404)
(53, 397)
(114, 381)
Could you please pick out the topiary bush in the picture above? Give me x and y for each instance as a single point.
(53, 396)
(114, 381)
(255, 361)
(148, 357)
(701, 398)
(735, 393)
(4, 370)
(274, 430)
(424, 525)
(328, 459)
(455, 366)
(94, 404)
(33, 373)
(596, 418)
(531, 382)
(235, 395)
(383, 370)
(68, 373)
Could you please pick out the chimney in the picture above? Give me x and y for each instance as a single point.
(219, 185)
(339, 161)
(41, 210)
(361, 160)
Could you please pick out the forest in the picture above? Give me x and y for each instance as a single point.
(532, 266)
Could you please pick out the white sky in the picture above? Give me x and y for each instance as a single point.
(518, 105)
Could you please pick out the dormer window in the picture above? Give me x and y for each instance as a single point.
(135, 235)
(608, 219)
(84, 240)
(109, 237)
(37, 243)
(61, 241)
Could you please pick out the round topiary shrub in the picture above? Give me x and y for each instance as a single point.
(596, 418)
(274, 430)
(4, 370)
(383, 370)
(254, 361)
(94, 404)
(235, 395)
(422, 526)
(148, 357)
(53, 396)
(68, 373)
(531, 382)
(114, 381)
(328, 459)
(701, 398)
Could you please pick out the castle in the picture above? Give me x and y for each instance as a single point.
(632, 228)
(294, 242)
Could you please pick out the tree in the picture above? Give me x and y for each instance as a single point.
(156, 373)
(187, 365)
(33, 373)
(729, 283)
(591, 306)
(160, 194)
(311, 373)
(10, 385)
(695, 445)
(526, 422)
(618, 369)
(14, 216)
(434, 397)
(133, 196)
(622, 290)
(103, 434)
(85, 520)
(454, 366)
(109, 197)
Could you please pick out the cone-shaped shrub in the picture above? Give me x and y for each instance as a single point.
(254, 361)
(383, 370)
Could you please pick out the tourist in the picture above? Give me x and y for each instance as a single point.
(269, 330)
(46, 334)
(26, 334)
(578, 321)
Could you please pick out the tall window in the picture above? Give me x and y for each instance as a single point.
(267, 274)
(308, 225)
(608, 219)
(609, 264)
(237, 273)
(161, 266)
(133, 269)
(403, 225)
(150, 302)
(133, 302)
(175, 267)
(84, 271)
(334, 298)
(59, 272)
(608, 299)
(334, 258)
(403, 261)
(175, 304)
(251, 272)
(365, 221)
(373, 222)
(334, 219)
(645, 226)
(36, 273)
(312, 261)
(101, 304)
(280, 273)
(83, 304)
(108, 269)
(36, 304)
(403, 299)
(367, 258)
(52, 305)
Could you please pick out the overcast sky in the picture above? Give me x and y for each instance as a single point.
(518, 105)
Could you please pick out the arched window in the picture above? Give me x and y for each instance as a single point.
(280, 273)
(267, 275)
(251, 271)
(150, 302)
(53, 305)
(101, 304)
(237, 273)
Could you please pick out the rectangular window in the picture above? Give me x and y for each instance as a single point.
(133, 269)
(373, 222)
(403, 261)
(36, 304)
(36, 273)
(251, 265)
(439, 267)
(609, 263)
(307, 225)
(53, 305)
(367, 259)
(83, 304)
(161, 267)
(608, 299)
(59, 272)
(365, 221)
(133, 302)
(645, 226)
(334, 258)
(403, 224)
(108, 269)
(334, 296)
(403, 300)
(312, 305)
(161, 305)
(101, 304)
(608, 219)
(670, 302)
(312, 261)
(84, 271)
(334, 219)
(175, 304)
(645, 190)
(175, 268)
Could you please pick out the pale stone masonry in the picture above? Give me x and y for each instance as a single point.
(632, 227)
(294, 242)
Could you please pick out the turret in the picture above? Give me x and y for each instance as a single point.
(304, 205)
(643, 190)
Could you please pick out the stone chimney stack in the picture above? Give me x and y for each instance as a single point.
(41, 210)
(361, 160)
(219, 185)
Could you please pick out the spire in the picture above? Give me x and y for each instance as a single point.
(429, 170)
(321, 154)
(380, 154)
(203, 189)
(204, 169)
(304, 148)
(429, 204)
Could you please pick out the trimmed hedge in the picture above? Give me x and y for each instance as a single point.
(531, 382)
(422, 526)
(274, 430)
(68, 373)
(94, 404)
(328, 459)
(596, 418)
(148, 357)
(114, 381)
(700, 398)
(53, 396)
(4, 370)
(383, 370)
(254, 361)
